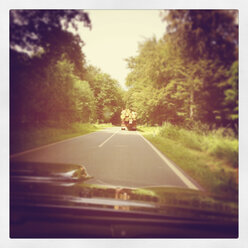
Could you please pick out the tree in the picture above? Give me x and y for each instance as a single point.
(34, 29)
(182, 77)
(108, 95)
(84, 102)
(231, 102)
(205, 34)
(46, 62)
(211, 37)
(46, 32)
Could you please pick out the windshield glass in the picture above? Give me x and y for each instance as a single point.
(154, 141)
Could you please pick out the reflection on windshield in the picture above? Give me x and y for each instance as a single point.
(119, 194)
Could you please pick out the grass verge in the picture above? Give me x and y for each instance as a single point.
(25, 138)
(211, 159)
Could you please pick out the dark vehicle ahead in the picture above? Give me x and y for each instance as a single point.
(55, 201)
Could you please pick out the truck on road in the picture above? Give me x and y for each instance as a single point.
(128, 119)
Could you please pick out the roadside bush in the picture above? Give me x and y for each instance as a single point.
(225, 182)
(220, 142)
(77, 126)
(223, 148)
(198, 127)
(224, 132)
(169, 131)
(188, 138)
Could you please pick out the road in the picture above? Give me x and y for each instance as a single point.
(114, 157)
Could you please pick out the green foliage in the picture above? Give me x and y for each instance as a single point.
(188, 138)
(51, 85)
(51, 93)
(84, 101)
(231, 94)
(108, 95)
(220, 143)
(34, 29)
(187, 76)
(222, 147)
(205, 34)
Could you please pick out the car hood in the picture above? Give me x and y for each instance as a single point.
(65, 186)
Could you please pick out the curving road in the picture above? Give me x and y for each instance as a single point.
(114, 157)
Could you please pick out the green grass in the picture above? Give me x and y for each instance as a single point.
(220, 143)
(223, 148)
(211, 159)
(22, 139)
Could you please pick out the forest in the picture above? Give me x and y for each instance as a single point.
(50, 83)
(188, 77)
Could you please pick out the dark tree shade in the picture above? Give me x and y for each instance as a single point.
(212, 34)
(54, 59)
(31, 29)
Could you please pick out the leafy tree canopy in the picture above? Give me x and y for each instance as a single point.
(190, 74)
(31, 29)
(210, 34)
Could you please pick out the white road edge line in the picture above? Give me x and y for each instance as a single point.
(108, 139)
(185, 180)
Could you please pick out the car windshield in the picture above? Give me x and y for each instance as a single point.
(155, 144)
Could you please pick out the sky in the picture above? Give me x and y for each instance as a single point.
(115, 35)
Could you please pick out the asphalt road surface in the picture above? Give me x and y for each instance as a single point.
(114, 157)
